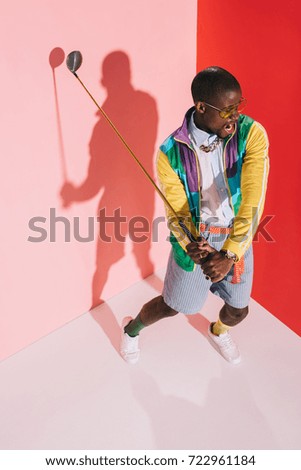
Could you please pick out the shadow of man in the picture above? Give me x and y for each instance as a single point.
(126, 207)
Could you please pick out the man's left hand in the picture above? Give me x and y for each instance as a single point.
(216, 266)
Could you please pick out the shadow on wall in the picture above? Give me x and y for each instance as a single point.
(126, 195)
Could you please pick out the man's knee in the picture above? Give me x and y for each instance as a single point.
(165, 309)
(231, 316)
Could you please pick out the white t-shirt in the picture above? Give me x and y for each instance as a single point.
(215, 204)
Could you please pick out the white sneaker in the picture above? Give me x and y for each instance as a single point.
(225, 345)
(129, 346)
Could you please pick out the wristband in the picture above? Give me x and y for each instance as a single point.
(229, 255)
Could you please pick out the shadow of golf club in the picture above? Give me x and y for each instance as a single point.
(56, 58)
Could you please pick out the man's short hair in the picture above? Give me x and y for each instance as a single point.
(212, 81)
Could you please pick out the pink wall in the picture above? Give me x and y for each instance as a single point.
(46, 284)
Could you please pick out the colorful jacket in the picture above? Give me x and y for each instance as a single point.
(246, 166)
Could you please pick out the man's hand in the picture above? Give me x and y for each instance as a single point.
(216, 266)
(199, 250)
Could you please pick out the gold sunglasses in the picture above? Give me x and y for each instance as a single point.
(226, 112)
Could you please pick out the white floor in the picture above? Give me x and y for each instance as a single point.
(71, 389)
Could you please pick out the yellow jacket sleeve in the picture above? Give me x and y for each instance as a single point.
(174, 191)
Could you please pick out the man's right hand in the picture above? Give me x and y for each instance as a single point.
(199, 250)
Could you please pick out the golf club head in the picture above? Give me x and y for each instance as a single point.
(74, 61)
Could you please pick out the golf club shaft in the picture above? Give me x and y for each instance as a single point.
(185, 230)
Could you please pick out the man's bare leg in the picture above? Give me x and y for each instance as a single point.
(151, 312)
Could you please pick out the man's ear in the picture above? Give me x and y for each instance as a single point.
(200, 106)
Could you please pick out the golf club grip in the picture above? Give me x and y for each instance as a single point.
(181, 224)
(186, 231)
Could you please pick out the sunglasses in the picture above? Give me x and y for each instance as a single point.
(227, 112)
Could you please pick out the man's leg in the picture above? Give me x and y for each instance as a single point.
(228, 317)
(151, 312)
(237, 294)
(183, 291)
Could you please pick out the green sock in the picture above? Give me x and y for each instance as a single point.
(134, 327)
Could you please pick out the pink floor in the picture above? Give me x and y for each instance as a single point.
(71, 390)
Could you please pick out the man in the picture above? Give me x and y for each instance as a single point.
(213, 170)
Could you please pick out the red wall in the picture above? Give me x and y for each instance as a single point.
(259, 42)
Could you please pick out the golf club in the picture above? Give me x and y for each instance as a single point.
(73, 62)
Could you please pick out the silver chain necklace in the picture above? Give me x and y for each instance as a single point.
(212, 146)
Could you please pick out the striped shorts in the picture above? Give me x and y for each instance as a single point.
(187, 291)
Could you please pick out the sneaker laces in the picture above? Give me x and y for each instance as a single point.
(227, 343)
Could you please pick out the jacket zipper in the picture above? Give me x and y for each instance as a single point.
(225, 170)
(198, 171)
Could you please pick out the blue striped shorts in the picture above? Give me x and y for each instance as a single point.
(187, 291)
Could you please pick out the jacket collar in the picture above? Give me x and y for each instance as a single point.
(181, 134)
